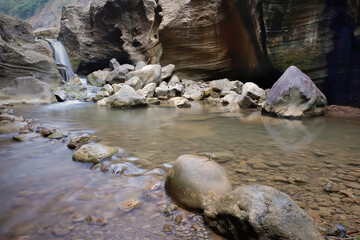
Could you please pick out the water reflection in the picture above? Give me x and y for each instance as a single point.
(292, 135)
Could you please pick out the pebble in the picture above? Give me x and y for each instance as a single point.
(332, 187)
(350, 178)
(280, 179)
(167, 228)
(129, 205)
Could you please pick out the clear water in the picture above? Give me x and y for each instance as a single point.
(45, 195)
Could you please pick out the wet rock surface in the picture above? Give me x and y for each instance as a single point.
(93, 153)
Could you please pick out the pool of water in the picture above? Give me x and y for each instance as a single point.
(45, 195)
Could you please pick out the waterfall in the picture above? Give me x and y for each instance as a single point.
(62, 59)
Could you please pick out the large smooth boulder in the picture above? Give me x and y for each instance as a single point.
(22, 55)
(148, 74)
(195, 181)
(126, 97)
(94, 153)
(257, 212)
(295, 95)
(27, 90)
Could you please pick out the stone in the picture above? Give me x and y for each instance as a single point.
(75, 89)
(353, 185)
(117, 87)
(134, 82)
(12, 127)
(27, 90)
(126, 97)
(161, 92)
(108, 88)
(97, 78)
(175, 86)
(227, 85)
(93, 153)
(148, 91)
(332, 187)
(242, 100)
(195, 181)
(58, 134)
(100, 95)
(259, 212)
(180, 102)
(148, 74)
(60, 95)
(47, 130)
(140, 65)
(153, 101)
(27, 136)
(78, 141)
(295, 95)
(118, 75)
(193, 91)
(167, 71)
(129, 205)
(253, 91)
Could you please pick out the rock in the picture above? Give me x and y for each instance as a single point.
(124, 98)
(108, 88)
(117, 87)
(47, 130)
(148, 91)
(338, 231)
(114, 64)
(253, 91)
(193, 91)
(242, 100)
(153, 101)
(175, 87)
(57, 134)
(140, 65)
(167, 71)
(60, 95)
(134, 82)
(78, 141)
(93, 153)
(227, 85)
(8, 117)
(27, 90)
(97, 78)
(129, 205)
(180, 102)
(332, 187)
(195, 181)
(259, 212)
(101, 94)
(148, 74)
(24, 137)
(75, 89)
(24, 56)
(118, 75)
(12, 127)
(161, 92)
(354, 185)
(295, 95)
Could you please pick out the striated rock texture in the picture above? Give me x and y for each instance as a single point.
(21, 55)
(121, 29)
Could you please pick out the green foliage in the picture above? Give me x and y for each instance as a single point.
(23, 9)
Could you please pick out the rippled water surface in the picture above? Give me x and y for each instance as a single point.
(45, 195)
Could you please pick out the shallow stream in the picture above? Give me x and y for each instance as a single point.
(45, 195)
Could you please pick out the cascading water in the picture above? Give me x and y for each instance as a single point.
(62, 59)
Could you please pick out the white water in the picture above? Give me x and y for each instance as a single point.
(60, 53)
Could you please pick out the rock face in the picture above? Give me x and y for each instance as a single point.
(257, 212)
(126, 97)
(27, 90)
(195, 181)
(295, 95)
(21, 55)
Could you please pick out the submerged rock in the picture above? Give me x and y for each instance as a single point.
(93, 153)
(195, 181)
(27, 136)
(57, 134)
(295, 95)
(257, 212)
(12, 127)
(78, 141)
(126, 97)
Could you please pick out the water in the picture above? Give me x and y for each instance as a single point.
(62, 59)
(45, 195)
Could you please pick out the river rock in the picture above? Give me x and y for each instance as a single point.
(148, 74)
(97, 78)
(124, 98)
(148, 91)
(93, 153)
(180, 102)
(193, 91)
(295, 95)
(253, 91)
(134, 82)
(260, 213)
(175, 86)
(167, 71)
(108, 88)
(161, 92)
(195, 181)
(101, 94)
(60, 95)
(140, 65)
(78, 141)
(118, 75)
(242, 100)
(58, 133)
(27, 136)
(153, 101)
(227, 85)
(12, 127)
(75, 89)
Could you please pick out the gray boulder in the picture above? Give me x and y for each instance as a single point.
(98, 78)
(148, 74)
(180, 102)
(134, 82)
(242, 100)
(126, 97)
(195, 181)
(167, 71)
(75, 89)
(25, 137)
(140, 65)
(295, 95)
(257, 212)
(78, 141)
(161, 92)
(94, 153)
(148, 91)
(27, 90)
(227, 85)
(100, 95)
(193, 91)
(253, 91)
(118, 75)
(175, 87)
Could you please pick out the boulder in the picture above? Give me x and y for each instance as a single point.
(27, 90)
(242, 100)
(295, 95)
(58, 134)
(193, 91)
(78, 141)
(227, 85)
(60, 95)
(118, 75)
(108, 88)
(148, 91)
(140, 65)
(195, 181)
(94, 153)
(75, 89)
(161, 92)
(148, 74)
(12, 127)
(253, 91)
(257, 212)
(134, 82)
(25, 137)
(175, 87)
(126, 97)
(167, 71)
(180, 102)
(97, 78)
(100, 95)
